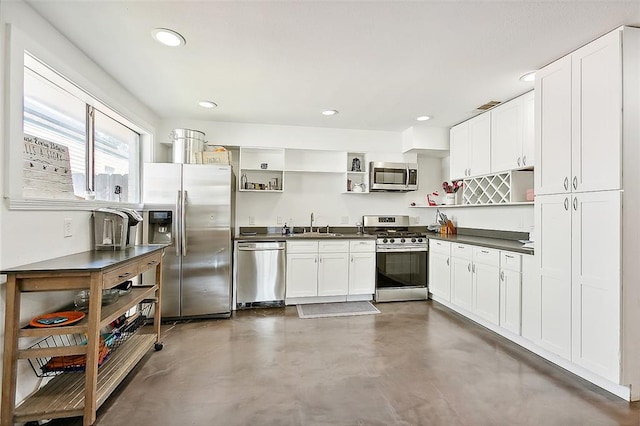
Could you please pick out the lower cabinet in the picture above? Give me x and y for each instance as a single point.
(486, 284)
(330, 268)
(439, 268)
(510, 291)
(462, 276)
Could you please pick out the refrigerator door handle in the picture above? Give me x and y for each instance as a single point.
(183, 223)
(177, 224)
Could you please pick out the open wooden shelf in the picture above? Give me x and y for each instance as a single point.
(63, 396)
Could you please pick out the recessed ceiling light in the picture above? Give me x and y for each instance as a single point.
(329, 112)
(168, 37)
(423, 118)
(528, 77)
(207, 104)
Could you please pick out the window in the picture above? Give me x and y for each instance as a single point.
(104, 152)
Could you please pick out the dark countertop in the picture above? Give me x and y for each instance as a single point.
(495, 243)
(88, 261)
(298, 237)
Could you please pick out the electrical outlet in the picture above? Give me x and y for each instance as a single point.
(344, 220)
(417, 219)
(252, 220)
(67, 227)
(279, 220)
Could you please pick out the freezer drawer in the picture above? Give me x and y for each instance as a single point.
(260, 272)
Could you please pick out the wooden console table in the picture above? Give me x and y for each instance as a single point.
(71, 394)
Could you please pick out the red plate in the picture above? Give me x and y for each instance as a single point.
(72, 318)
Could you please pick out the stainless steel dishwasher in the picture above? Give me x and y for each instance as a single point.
(260, 273)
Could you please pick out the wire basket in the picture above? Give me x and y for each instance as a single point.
(123, 329)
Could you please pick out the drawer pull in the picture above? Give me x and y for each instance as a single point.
(508, 256)
(484, 251)
(126, 274)
(153, 262)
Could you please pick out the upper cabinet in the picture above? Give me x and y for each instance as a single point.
(471, 148)
(494, 142)
(512, 134)
(579, 120)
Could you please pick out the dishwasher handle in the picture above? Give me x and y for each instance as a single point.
(260, 246)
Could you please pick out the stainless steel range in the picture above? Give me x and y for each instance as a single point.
(401, 259)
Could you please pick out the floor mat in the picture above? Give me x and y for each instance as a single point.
(341, 309)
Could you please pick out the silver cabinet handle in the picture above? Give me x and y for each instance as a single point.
(508, 256)
(484, 251)
(447, 261)
(524, 160)
(501, 275)
(351, 259)
(566, 204)
(473, 268)
(575, 182)
(566, 183)
(315, 260)
(469, 267)
(575, 203)
(518, 161)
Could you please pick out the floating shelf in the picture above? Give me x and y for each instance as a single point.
(458, 206)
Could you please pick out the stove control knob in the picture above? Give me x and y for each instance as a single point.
(419, 240)
(392, 240)
(384, 240)
(413, 240)
(402, 240)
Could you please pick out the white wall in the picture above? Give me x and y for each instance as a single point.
(29, 236)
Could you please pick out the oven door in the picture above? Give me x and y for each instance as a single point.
(401, 275)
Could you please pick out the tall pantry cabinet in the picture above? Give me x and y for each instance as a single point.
(587, 185)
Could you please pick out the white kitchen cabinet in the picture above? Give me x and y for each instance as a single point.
(552, 217)
(328, 268)
(486, 284)
(459, 151)
(512, 138)
(510, 291)
(333, 274)
(531, 300)
(579, 120)
(461, 276)
(470, 144)
(362, 267)
(595, 278)
(439, 268)
(302, 275)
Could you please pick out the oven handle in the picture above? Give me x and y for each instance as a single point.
(404, 250)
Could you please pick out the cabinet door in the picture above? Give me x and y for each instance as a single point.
(596, 282)
(333, 274)
(302, 275)
(553, 259)
(480, 145)
(510, 282)
(528, 129)
(486, 292)
(439, 275)
(506, 136)
(597, 114)
(362, 273)
(459, 151)
(461, 283)
(553, 127)
(531, 300)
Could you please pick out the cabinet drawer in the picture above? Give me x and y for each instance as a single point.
(486, 256)
(438, 246)
(302, 246)
(461, 251)
(149, 262)
(511, 261)
(362, 246)
(118, 275)
(333, 246)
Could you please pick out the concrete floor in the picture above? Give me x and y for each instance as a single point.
(416, 363)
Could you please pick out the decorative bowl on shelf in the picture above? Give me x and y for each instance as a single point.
(81, 300)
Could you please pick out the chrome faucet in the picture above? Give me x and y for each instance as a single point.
(311, 227)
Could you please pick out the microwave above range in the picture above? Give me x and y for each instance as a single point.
(397, 177)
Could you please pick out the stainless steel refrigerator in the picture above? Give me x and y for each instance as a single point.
(190, 207)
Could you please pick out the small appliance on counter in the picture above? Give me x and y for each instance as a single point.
(115, 228)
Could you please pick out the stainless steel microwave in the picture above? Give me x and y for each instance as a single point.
(400, 177)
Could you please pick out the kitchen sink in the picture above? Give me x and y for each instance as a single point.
(316, 235)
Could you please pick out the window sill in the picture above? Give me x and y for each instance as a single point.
(47, 204)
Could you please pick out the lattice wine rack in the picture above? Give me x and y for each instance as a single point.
(500, 188)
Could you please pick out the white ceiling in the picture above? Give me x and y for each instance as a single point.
(381, 64)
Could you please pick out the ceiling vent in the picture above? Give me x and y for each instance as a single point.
(487, 106)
